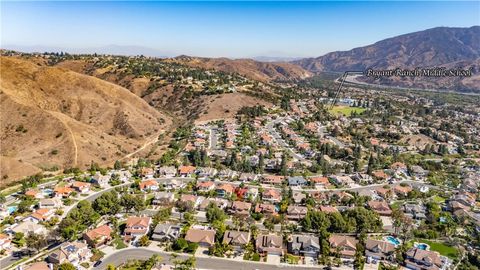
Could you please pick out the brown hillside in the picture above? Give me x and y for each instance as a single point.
(261, 71)
(56, 118)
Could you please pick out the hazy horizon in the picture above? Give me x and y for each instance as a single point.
(221, 29)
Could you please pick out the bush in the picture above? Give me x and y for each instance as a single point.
(256, 257)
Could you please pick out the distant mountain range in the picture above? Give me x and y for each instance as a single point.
(441, 46)
(436, 46)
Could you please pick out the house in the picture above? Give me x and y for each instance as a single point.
(4, 242)
(123, 175)
(167, 171)
(419, 259)
(380, 175)
(402, 191)
(205, 186)
(418, 172)
(166, 232)
(203, 237)
(191, 199)
(98, 236)
(240, 208)
(251, 194)
(362, 178)
(149, 185)
(248, 177)
(381, 207)
(269, 244)
(186, 171)
(163, 198)
(327, 209)
(271, 195)
(219, 202)
(227, 174)
(50, 203)
(297, 181)
(37, 266)
(415, 211)
(237, 239)
(100, 180)
(206, 172)
(272, 179)
(41, 215)
(136, 227)
(303, 244)
(63, 192)
(298, 196)
(383, 192)
(224, 190)
(345, 246)
(34, 193)
(295, 212)
(343, 180)
(147, 173)
(27, 227)
(264, 208)
(80, 187)
(379, 250)
(173, 184)
(72, 252)
(399, 168)
(320, 182)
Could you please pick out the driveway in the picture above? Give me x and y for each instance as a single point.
(310, 260)
(273, 259)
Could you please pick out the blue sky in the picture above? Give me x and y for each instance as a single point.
(231, 29)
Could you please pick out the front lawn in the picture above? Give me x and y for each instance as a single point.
(441, 248)
(119, 244)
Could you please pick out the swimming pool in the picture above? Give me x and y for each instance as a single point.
(422, 246)
(47, 192)
(393, 240)
(12, 209)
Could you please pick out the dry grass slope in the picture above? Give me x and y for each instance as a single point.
(57, 118)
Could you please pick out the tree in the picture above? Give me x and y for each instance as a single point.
(144, 241)
(180, 244)
(215, 214)
(127, 201)
(66, 266)
(36, 241)
(107, 203)
(111, 267)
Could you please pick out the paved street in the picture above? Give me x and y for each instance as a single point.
(202, 262)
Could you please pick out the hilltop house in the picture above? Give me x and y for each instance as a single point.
(81, 187)
(100, 180)
(167, 171)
